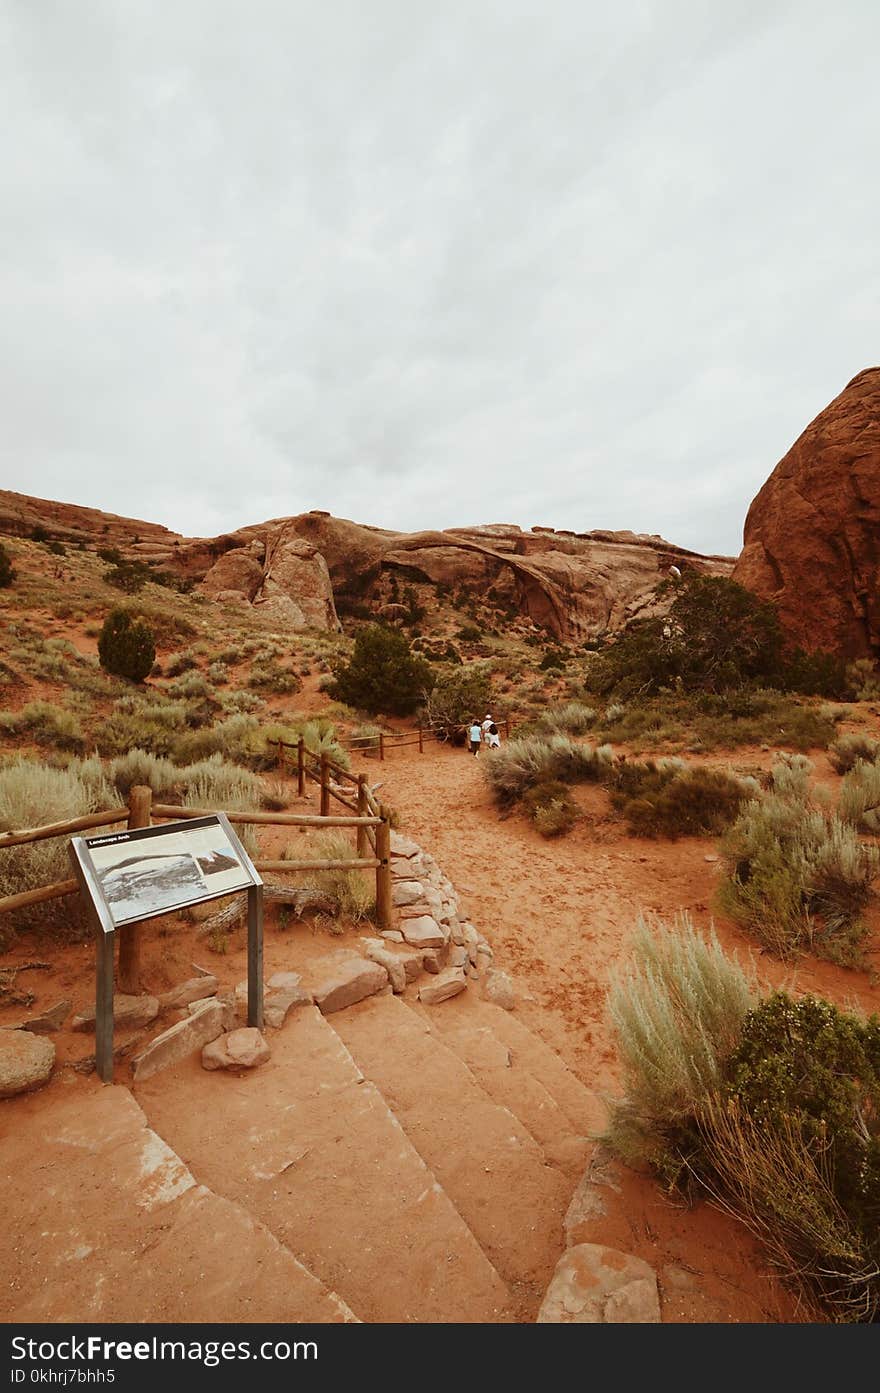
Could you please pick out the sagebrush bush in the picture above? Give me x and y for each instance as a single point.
(845, 752)
(798, 878)
(860, 796)
(863, 679)
(568, 718)
(46, 724)
(677, 1011)
(522, 763)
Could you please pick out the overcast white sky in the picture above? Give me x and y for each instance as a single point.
(563, 262)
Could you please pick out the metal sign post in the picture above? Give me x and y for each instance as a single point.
(128, 877)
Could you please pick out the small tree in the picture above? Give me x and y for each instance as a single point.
(458, 695)
(7, 570)
(126, 646)
(382, 674)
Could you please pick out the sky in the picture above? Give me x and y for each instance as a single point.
(567, 263)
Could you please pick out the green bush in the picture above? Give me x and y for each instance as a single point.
(806, 1070)
(566, 718)
(126, 646)
(130, 576)
(382, 674)
(668, 799)
(458, 694)
(551, 808)
(863, 679)
(860, 796)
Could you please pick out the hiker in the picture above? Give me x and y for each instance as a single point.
(490, 733)
(475, 736)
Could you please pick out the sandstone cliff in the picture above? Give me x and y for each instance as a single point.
(812, 535)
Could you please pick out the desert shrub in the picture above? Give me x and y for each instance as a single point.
(351, 891)
(142, 767)
(790, 777)
(33, 795)
(805, 1084)
(847, 750)
(382, 674)
(568, 718)
(677, 1012)
(178, 663)
(469, 633)
(551, 808)
(270, 676)
(798, 878)
(126, 646)
(7, 570)
(667, 799)
(458, 693)
(235, 739)
(240, 701)
(191, 686)
(523, 763)
(275, 797)
(710, 720)
(860, 796)
(716, 635)
(130, 576)
(152, 731)
(863, 679)
(218, 673)
(46, 724)
(212, 783)
(552, 661)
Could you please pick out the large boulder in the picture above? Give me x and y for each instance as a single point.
(26, 1062)
(810, 537)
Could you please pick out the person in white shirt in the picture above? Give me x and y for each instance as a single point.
(490, 733)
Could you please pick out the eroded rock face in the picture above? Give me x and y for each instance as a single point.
(285, 576)
(812, 534)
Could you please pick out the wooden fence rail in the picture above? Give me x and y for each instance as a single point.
(370, 819)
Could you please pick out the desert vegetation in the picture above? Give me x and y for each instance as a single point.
(769, 1106)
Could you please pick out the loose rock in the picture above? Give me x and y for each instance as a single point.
(348, 981)
(594, 1285)
(498, 988)
(26, 1062)
(128, 1012)
(239, 1050)
(442, 987)
(51, 1019)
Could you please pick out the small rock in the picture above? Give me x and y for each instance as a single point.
(710, 859)
(423, 932)
(445, 985)
(26, 1062)
(280, 1000)
(378, 953)
(88, 1064)
(392, 935)
(239, 1049)
(406, 892)
(194, 989)
(128, 1011)
(498, 988)
(51, 1019)
(284, 981)
(594, 1285)
(348, 981)
(458, 956)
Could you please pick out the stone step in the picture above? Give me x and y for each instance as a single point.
(584, 1108)
(311, 1148)
(108, 1224)
(468, 1028)
(487, 1162)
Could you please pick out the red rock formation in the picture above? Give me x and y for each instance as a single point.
(812, 534)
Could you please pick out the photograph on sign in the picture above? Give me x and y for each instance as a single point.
(158, 870)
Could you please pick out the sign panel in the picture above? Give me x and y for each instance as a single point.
(158, 870)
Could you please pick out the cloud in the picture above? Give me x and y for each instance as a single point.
(564, 264)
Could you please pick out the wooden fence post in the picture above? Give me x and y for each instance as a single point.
(507, 727)
(280, 757)
(381, 745)
(363, 846)
(325, 786)
(301, 767)
(139, 803)
(384, 907)
(421, 742)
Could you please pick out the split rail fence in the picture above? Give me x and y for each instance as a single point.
(367, 815)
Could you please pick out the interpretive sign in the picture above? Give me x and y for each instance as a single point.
(127, 877)
(157, 870)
